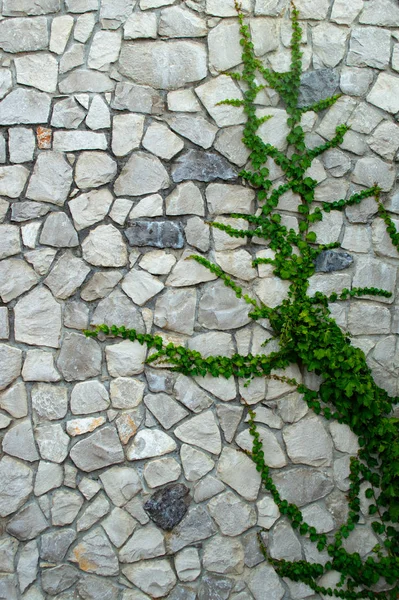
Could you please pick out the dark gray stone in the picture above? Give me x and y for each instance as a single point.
(58, 579)
(25, 211)
(160, 234)
(168, 506)
(54, 545)
(317, 85)
(329, 261)
(181, 592)
(214, 587)
(91, 587)
(202, 166)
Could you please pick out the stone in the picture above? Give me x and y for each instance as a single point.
(382, 12)
(28, 66)
(344, 14)
(381, 240)
(268, 512)
(308, 443)
(166, 315)
(16, 277)
(104, 49)
(223, 555)
(8, 587)
(303, 485)
(201, 431)
(215, 586)
(67, 114)
(15, 485)
(195, 128)
(337, 163)
(151, 206)
(21, 144)
(140, 25)
(121, 484)
(369, 46)
(189, 394)
(187, 564)
(197, 525)
(14, 400)
(51, 179)
(275, 130)
(89, 487)
(148, 63)
(120, 210)
(90, 586)
(385, 140)
(98, 116)
(142, 174)
(220, 309)
(28, 523)
(117, 309)
(4, 324)
(25, 211)
(154, 577)
(49, 402)
(119, 525)
(318, 517)
(74, 57)
(186, 198)
(168, 506)
(195, 463)
(166, 410)
(161, 141)
(76, 427)
(338, 114)
(157, 262)
(355, 81)
(364, 118)
(207, 487)
(94, 554)
(176, 22)
(329, 44)
(49, 476)
(59, 232)
(356, 239)
(12, 180)
(84, 80)
(24, 35)
(126, 392)
(125, 358)
(10, 243)
(183, 101)
(80, 358)
(90, 208)
(127, 131)
(182, 276)
(8, 550)
(201, 166)
(38, 319)
(100, 449)
(5, 82)
(275, 456)
(72, 141)
(224, 47)
(141, 286)
(81, 6)
(149, 443)
(226, 199)
(113, 13)
(23, 106)
(95, 511)
(94, 169)
(229, 418)
(161, 471)
(39, 366)
(231, 514)
(53, 442)
(136, 98)
(368, 319)
(284, 545)
(65, 507)
(61, 28)
(76, 315)
(344, 439)
(361, 540)
(58, 579)
(239, 472)
(371, 272)
(229, 144)
(264, 583)
(104, 247)
(145, 543)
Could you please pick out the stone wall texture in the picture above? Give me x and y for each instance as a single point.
(123, 482)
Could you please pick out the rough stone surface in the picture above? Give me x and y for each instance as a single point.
(98, 450)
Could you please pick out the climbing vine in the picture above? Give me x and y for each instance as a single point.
(308, 336)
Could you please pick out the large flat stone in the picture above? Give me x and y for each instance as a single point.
(159, 234)
(98, 450)
(24, 106)
(15, 485)
(142, 174)
(51, 179)
(202, 166)
(38, 319)
(24, 35)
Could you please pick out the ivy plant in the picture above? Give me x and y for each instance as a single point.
(308, 336)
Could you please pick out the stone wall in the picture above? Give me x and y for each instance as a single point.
(113, 157)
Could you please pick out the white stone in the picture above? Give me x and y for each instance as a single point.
(51, 179)
(29, 66)
(189, 272)
(223, 555)
(223, 389)
(329, 229)
(214, 343)
(368, 319)
(308, 443)
(344, 439)
(369, 46)
(355, 81)
(24, 35)
(98, 116)
(120, 210)
(161, 471)
(12, 180)
(275, 130)
(197, 233)
(183, 101)
(231, 514)
(225, 8)
(195, 128)
(177, 22)
(6, 82)
(201, 431)
(224, 47)
(94, 169)
(15, 399)
(115, 12)
(142, 174)
(219, 308)
(84, 27)
(58, 231)
(151, 206)
(21, 144)
(104, 49)
(4, 323)
(67, 275)
(11, 360)
(226, 199)
(104, 247)
(272, 290)
(385, 140)
(148, 443)
(159, 140)
(187, 564)
(10, 243)
(141, 286)
(381, 240)
(157, 262)
(195, 463)
(312, 9)
(380, 12)
(90, 208)
(140, 25)
(73, 57)
(239, 472)
(155, 577)
(125, 358)
(38, 319)
(84, 80)
(338, 114)
(175, 310)
(268, 512)
(72, 141)
(81, 6)
(370, 171)
(284, 545)
(39, 366)
(146, 4)
(329, 44)
(274, 455)
(265, 584)
(24, 106)
(356, 238)
(127, 131)
(344, 13)
(67, 114)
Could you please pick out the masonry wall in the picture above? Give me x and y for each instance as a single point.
(114, 155)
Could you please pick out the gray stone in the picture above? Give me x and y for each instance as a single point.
(19, 441)
(81, 6)
(197, 525)
(65, 507)
(20, 8)
(187, 564)
(95, 511)
(8, 550)
(154, 577)
(219, 308)
(58, 231)
(308, 443)
(113, 13)
(344, 439)
(24, 35)
(49, 402)
(215, 587)
(104, 247)
(195, 463)
(67, 275)
(86, 80)
(16, 277)
(229, 418)
(140, 286)
(94, 554)
(207, 488)
(80, 358)
(89, 397)
(224, 47)
(329, 261)
(94, 169)
(161, 471)
(74, 57)
(104, 49)
(25, 211)
(201, 166)
(166, 410)
(61, 28)
(232, 515)
(168, 506)
(265, 584)
(98, 116)
(161, 141)
(229, 143)
(345, 14)
(189, 394)
(371, 272)
(159, 234)
(21, 144)
(91, 587)
(15, 399)
(355, 81)
(39, 366)
(195, 128)
(5, 82)
(284, 545)
(53, 442)
(380, 12)
(15, 485)
(98, 450)
(303, 485)
(176, 22)
(224, 555)
(252, 552)
(197, 234)
(87, 209)
(76, 315)
(127, 131)
(99, 286)
(369, 46)
(8, 587)
(239, 472)
(201, 431)
(147, 542)
(27, 67)
(125, 358)
(49, 476)
(141, 25)
(274, 455)
(22, 106)
(121, 484)
(149, 63)
(385, 140)
(72, 141)
(13, 180)
(329, 44)
(368, 319)
(51, 179)
(119, 525)
(10, 243)
(57, 579)
(117, 309)
(370, 171)
(136, 98)
(142, 174)
(28, 523)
